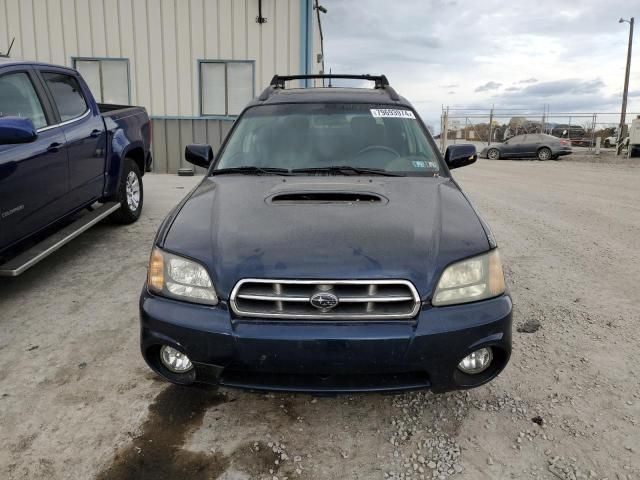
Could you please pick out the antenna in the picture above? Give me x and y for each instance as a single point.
(6, 55)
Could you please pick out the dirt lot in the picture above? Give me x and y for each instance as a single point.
(77, 401)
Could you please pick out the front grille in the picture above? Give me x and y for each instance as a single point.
(325, 299)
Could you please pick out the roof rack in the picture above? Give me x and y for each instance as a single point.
(278, 82)
(380, 80)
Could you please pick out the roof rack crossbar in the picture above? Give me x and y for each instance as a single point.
(278, 83)
(380, 80)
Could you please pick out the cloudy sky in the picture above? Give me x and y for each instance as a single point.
(569, 54)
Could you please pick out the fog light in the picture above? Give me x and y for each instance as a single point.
(477, 361)
(174, 360)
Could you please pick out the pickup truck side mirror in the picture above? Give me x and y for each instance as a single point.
(15, 130)
(458, 156)
(199, 154)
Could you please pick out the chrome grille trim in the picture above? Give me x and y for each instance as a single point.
(268, 298)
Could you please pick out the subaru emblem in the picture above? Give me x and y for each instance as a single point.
(324, 301)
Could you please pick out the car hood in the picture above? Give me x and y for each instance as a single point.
(233, 226)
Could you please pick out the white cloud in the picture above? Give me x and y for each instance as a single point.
(488, 86)
(425, 47)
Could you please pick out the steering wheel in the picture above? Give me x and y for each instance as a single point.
(377, 147)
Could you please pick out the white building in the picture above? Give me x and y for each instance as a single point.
(192, 63)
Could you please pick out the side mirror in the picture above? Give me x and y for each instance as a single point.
(199, 154)
(458, 156)
(15, 130)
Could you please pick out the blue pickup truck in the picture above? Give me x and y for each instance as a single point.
(66, 162)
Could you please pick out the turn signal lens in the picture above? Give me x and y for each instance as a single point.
(155, 275)
(496, 275)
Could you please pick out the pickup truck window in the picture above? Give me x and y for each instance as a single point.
(18, 98)
(299, 136)
(67, 95)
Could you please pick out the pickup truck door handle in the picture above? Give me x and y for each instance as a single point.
(95, 133)
(54, 147)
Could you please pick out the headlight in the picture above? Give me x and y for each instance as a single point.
(178, 277)
(470, 280)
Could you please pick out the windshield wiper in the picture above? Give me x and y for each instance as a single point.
(251, 170)
(344, 169)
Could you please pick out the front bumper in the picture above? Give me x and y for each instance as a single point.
(327, 357)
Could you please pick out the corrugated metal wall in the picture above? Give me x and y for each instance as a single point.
(163, 40)
(170, 137)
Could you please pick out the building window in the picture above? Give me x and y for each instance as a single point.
(225, 87)
(107, 78)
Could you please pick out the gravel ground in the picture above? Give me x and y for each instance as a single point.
(77, 401)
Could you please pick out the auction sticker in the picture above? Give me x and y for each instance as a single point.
(391, 113)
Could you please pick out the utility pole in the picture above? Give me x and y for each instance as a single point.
(490, 124)
(623, 114)
(444, 135)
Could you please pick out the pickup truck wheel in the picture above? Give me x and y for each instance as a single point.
(544, 154)
(607, 143)
(130, 194)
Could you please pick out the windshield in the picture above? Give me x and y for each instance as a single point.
(320, 136)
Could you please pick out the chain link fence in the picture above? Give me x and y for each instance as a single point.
(495, 125)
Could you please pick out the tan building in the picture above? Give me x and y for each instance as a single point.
(192, 63)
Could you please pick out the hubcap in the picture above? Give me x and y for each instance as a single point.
(544, 154)
(493, 154)
(133, 191)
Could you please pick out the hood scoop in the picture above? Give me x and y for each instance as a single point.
(327, 197)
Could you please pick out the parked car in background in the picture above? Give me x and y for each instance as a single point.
(568, 131)
(634, 138)
(61, 153)
(328, 249)
(610, 142)
(586, 141)
(531, 145)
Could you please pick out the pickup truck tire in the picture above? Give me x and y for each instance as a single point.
(130, 194)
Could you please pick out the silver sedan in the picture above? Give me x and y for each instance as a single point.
(531, 145)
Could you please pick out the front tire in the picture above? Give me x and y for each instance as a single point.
(544, 153)
(130, 194)
(493, 154)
